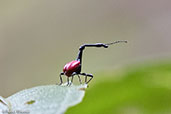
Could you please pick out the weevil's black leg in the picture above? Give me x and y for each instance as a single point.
(72, 79)
(84, 74)
(61, 78)
(67, 81)
(91, 77)
(79, 79)
(85, 79)
(87, 75)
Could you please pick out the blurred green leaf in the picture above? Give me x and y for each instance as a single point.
(140, 89)
(49, 99)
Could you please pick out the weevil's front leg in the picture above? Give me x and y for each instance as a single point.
(67, 81)
(61, 78)
(72, 79)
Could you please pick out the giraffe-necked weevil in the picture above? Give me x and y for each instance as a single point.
(74, 67)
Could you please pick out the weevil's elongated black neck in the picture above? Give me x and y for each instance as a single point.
(80, 53)
(79, 58)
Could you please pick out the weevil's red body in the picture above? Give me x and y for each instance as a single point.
(71, 67)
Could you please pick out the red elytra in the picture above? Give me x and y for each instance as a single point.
(71, 67)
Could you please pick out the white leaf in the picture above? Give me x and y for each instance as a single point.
(50, 99)
(4, 105)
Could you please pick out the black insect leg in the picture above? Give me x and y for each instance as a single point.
(72, 79)
(87, 75)
(67, 81)
(91, 77)
(85, 79)
(79, 79)
(61, 77)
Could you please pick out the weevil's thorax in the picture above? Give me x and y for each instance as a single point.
(71, 67)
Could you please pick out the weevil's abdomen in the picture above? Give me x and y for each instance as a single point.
(71, 67)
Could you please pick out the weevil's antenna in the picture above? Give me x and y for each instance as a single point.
(116, 42)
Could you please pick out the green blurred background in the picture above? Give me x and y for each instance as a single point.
(38, 37)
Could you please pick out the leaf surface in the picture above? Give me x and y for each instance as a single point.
(49, 99)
